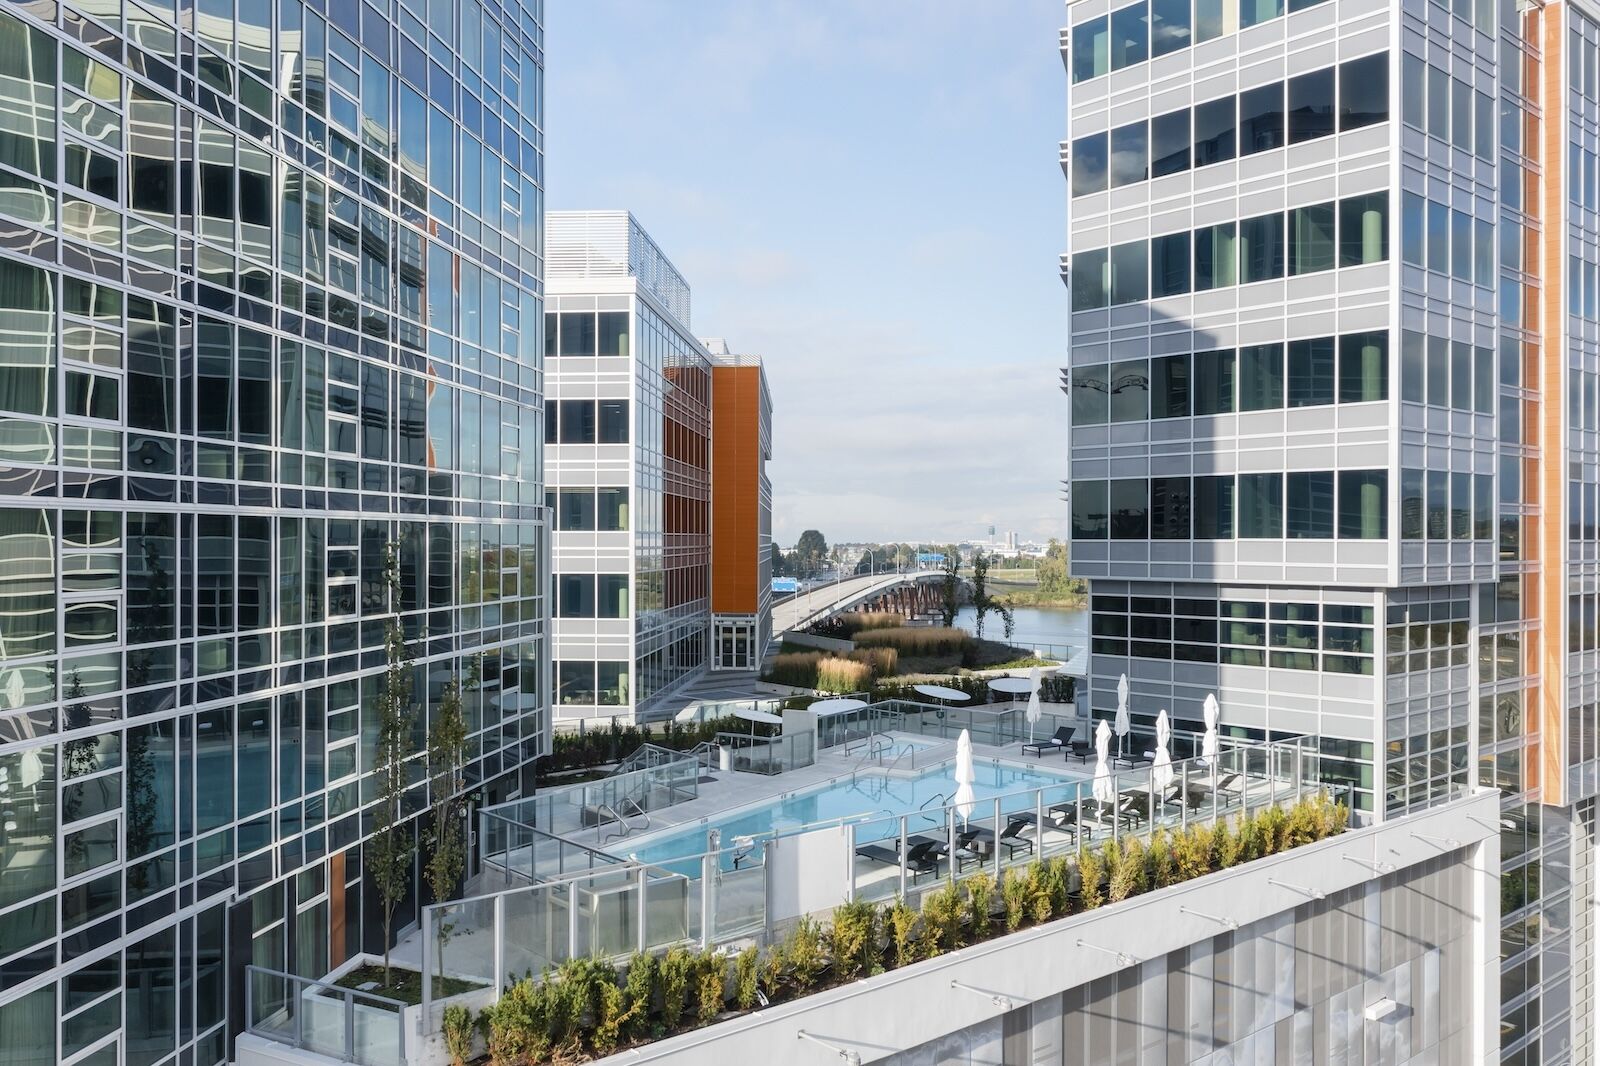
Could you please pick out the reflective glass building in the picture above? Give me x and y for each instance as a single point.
(270, 301)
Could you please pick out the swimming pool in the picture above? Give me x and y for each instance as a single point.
(870, 795)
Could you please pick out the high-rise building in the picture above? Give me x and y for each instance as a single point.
(741, 510)
(627, 467)
(270, 304)
(1334, 430)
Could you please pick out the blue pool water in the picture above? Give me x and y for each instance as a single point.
(876, 796)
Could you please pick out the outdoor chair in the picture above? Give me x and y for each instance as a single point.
(1065, 818)
(1061, 739)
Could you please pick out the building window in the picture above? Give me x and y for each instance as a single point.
(1213, 383)
(576, 595)
(1414, 90)
(1169, 387)
(612, 509)
(1091, 49)
(1310, 505)
(614, 333)
(575, 683)
(1089, 165)
(611, 596)
(575, 510)
(1311, 372)
(1363, 504)
(1169, 508)
(1130, 35)
(1413, 229)
(1260, 506)
(1261, 377)
(1169, 265)
(1311, 239)
(1130, 273)
(1311, 105)
(577, 422)
(1091, 279)
(613, 422)
(1364, 91)
(1215, 257)
(1090, 396)
(1214, 136)
(1213, 508)
(1130, 391)
(1261, 119)
(1364, 230)
(1169, 26)
(1089, 504)
(1130, 509)
(1363, 367)
(1169, 144)
(1255, 12)
(1261, 248)
(613, 688)
(1130, 154)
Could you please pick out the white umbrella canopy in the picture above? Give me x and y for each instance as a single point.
(1161, 770)
(1034, 708)
(1208, 743)
(965, 799)
(1123, 725)
(1103, 789)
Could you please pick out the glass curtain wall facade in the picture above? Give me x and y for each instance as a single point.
(1334, 410)
(270, 301)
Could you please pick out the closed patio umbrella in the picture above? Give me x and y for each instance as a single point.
(1104, 791)
(1034, 709)
(1161, 771)
(1123, 725)
(965, 799)
(1208, 743)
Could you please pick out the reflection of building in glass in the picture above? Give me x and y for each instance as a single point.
(1333, 405)
(628, 467)
(269, 301)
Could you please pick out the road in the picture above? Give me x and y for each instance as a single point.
(801, 609)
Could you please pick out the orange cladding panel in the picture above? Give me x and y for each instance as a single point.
(735, 488)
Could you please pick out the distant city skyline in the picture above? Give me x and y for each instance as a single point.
(875, 240)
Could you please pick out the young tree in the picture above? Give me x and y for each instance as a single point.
(812, 548)
(981, 603)
(447, 844)
(390, 851)
(950, 587)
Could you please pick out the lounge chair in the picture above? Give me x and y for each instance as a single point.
(922, 855)
(1013, 840)
(1065, 818)
(1061, 739)
(1081, 749)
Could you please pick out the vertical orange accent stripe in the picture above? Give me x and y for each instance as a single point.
(1548, 752)
(336, 915)
(735, 489)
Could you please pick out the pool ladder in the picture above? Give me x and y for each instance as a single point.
(622, 821)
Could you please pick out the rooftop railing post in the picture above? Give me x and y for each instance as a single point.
(349, 1026)
(426, 976)
(708, 898)
(1077, 819)
(1183, 795)
(574, 950)
(950, 843)
(902, 854)
(642, 884)
(997, 840)
(1215, 799)
(850, 860)
(293, 1002)
(1038, 821)
(498, 947)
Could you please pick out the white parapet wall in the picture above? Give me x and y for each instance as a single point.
(879, 1017)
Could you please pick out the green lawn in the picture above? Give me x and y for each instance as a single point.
(406, 986)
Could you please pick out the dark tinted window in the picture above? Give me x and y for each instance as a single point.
(1169, 265)
(1260, 505)
(1213, 383)
(1091, 54)
(1089, 170)
(613, 421)
(1311, 105)
(1130, 510)
(1169, 508)
(1311, 372)
(1311, 239)
(1261, 119)
(1261, 377)
(1169, 143)
(1089, 510)
(1169, 387)
(1214, 137)
(1311, 504)
(1363, 367)
(1213, 508)
(1364, 91)
(577, 422)
(1261, 248)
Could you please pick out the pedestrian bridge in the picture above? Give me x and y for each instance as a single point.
(817, 604)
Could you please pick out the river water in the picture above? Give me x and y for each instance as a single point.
(1050, 629)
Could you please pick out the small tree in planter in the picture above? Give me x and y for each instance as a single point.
(389, 852)
(447, 843)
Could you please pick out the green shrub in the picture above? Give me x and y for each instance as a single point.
(854, 938)
(1041, 901)
(746, 971)
(710, 987)
(771, 971)
(804, 954)
(1251, 843)
(677, 973)
(1092, 872)
(1225, 845)
(518, 1024)
(610, 1017)
(1014, 891)
(980, 898)
(944, 919)
(1128, 874)
(1159, 862)
(903, 933)
(638, 992)
(1191, 851)
(1274, 828)
(1058, 879)
(456, 1026)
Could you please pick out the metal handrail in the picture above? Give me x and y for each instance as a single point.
(909, 749)
(622, 820)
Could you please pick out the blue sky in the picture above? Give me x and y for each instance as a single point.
(867, 195)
